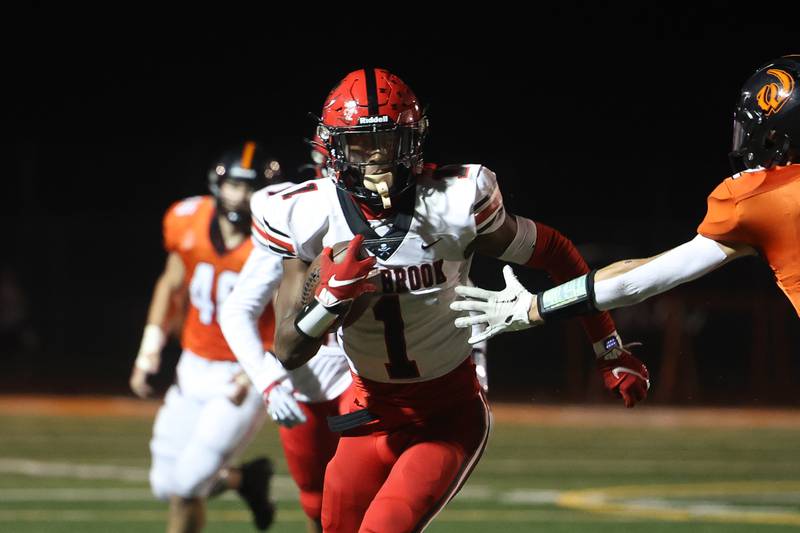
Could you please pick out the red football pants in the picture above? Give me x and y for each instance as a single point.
(308, 448)
(399, 481)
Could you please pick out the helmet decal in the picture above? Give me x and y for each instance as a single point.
(766, 119)
(772, 96)
(350, 110)
(247, 154)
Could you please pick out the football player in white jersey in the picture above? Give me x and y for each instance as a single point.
(418, 421)
(212, 410)
(300, 400)
(318, 168)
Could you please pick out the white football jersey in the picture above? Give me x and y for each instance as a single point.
(407, 333)
(323, 378)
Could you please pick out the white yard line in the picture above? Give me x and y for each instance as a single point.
(283, 487)
(129, 474)
(29, 467)
(494, 516)
(622, 503)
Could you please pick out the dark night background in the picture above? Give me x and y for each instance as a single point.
(609, 122)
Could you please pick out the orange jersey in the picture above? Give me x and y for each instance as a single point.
(762, 209)
(210, 277)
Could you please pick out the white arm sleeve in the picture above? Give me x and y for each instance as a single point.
(238, 320)
(688, 261)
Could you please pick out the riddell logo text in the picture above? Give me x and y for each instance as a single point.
(402, 279)
(373, 120)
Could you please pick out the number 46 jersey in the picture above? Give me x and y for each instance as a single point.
(407, 333)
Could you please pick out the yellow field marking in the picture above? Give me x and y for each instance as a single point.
(603, 500)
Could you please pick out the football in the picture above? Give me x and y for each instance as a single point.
(359, 305)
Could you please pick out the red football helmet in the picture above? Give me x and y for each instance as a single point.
(373, 128)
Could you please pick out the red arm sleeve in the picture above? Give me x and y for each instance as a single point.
(556, 255)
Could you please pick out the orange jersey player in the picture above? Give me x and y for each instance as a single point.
(755, 211)
(211, 272)
(212, 411)
(759, 209)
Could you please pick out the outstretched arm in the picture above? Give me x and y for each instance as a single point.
(620, 284)
(539, 246)
(536, 245)
(634, 280)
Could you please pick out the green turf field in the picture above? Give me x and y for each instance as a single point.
(88, 474)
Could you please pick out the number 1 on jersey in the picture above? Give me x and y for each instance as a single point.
(387, 310)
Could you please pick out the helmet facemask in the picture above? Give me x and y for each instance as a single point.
(376, 162)
(755, 146)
